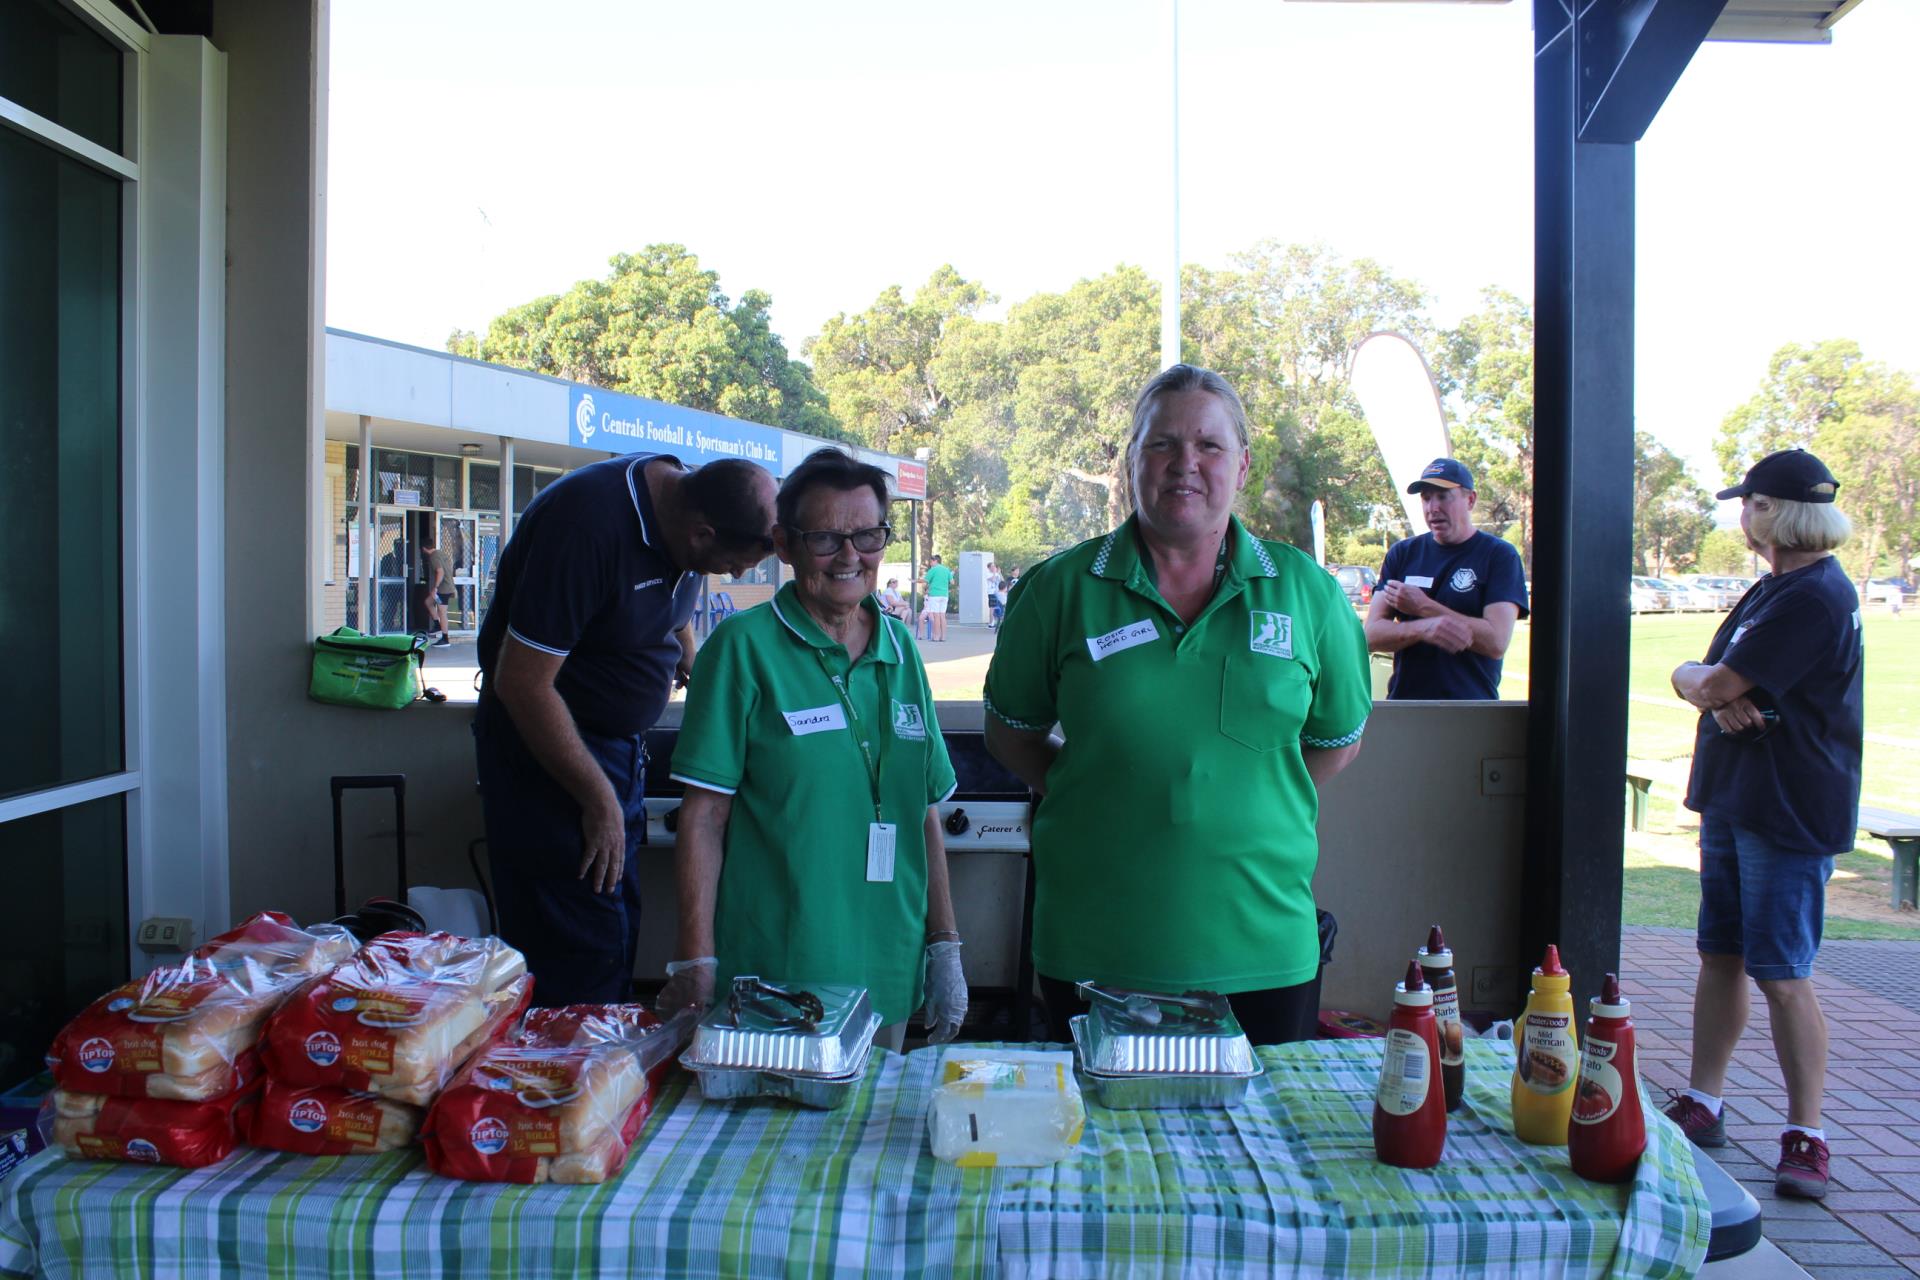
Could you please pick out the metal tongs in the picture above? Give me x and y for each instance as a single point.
(1151, 1009)
(765, 1000)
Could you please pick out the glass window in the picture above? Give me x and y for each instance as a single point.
(527, 482)
(56, 66)
(60, 616)
(353, 473)
(766, 573)
(70, 865)
(446, 484)
(483, 486)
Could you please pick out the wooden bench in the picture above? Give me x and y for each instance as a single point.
(1642, 774)
(1901, 831)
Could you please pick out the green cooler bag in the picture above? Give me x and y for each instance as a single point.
(353, 670)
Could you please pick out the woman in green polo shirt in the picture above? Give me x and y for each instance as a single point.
(1206, 682)
(809, 844)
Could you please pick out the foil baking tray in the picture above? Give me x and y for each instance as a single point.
(1117, 1043)
(731, 1084)
(1165, 1092)
(810, 1029)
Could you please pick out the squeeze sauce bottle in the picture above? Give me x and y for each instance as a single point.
(1546, 1057)
(1436, 961)
(1608, 1131)
(1409, 1107)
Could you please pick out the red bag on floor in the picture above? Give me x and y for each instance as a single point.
(94, 1126)
(559, 1100)
(327, 1121)
(400, 1017)
(180, 1032)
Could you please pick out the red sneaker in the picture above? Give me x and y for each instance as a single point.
(1702, 1127)
(1803, 1166)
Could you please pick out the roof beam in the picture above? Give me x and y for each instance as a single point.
(1631, 53)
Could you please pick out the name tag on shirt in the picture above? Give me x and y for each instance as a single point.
(1130, 636)
(816, 719)
(1738, 632)
(1419, 580)
(880, 841)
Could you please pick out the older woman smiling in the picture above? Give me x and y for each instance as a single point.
(810, 846)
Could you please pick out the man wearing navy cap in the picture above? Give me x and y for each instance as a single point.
(1449, 597)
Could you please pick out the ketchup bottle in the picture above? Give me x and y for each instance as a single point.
(1608, 1132)
(1409, 1109)
(1437, 962)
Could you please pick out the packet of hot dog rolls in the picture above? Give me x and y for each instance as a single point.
(96, 1126)
(399, 1017)
(560, 1099)
(323, 1120)
(180, 1032)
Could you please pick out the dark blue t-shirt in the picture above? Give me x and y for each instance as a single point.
(586, 576)
(1797, 637)
(1466, 578)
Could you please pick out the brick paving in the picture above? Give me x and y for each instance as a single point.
(1869, 1224)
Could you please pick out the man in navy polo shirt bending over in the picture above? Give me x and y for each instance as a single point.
(586, 634)
(1448, 598)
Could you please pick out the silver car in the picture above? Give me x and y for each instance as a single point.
(1649, 596)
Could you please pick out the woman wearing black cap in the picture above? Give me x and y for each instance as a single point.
(1776, 781)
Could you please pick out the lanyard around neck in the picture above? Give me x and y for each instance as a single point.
(1219, 561)
(874, 760)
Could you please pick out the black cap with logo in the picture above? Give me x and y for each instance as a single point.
(1793, 474)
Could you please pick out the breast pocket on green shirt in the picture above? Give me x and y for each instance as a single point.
(1263, 700)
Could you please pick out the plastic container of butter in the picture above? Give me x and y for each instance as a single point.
(1005, 1107)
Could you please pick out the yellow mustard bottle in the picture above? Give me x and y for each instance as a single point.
(1546, 1058)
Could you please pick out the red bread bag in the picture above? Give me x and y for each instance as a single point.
(326, 1121)
(179, 1032)
(400, 1017)
(559, 1100)
(94, 1126)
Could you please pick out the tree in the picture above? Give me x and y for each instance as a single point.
(1672, 512)
(1485, 369)
(657, 325)
(1724, 551)
(1800, 395)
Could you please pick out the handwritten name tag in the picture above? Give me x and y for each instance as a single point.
(1419, 580)
(1127, 637)
(816, 719)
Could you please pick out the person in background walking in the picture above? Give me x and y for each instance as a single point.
(937, 583)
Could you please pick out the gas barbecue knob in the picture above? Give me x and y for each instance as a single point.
(671, 819)
(956, 823)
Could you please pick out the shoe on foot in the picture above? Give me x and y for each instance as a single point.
(1803, 1166)
(442, 640)
(1702, 1127)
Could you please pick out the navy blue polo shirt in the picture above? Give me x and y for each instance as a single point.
(1466, 578)
(586, 577)
(1797, 637)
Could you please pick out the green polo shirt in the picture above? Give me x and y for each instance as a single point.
(1175, 848)
(766, 725)
(939, 578)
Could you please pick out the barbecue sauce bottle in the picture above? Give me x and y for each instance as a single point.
(1608, 1131)
(1409, 1109)
(1437, 963)
(1546, 1057)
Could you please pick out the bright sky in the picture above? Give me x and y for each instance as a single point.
(478, 159)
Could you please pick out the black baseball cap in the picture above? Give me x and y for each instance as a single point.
(1793, 474)
(1443, 473)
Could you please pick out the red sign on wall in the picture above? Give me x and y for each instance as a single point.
(911, 482)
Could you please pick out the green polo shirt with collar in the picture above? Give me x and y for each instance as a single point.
(766, 724)
(1175, 847)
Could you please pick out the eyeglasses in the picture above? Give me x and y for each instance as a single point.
(826, 542)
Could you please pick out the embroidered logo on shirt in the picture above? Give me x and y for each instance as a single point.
(1272, 634)
(1127, 637)
(1463, 579)
(908, 724)
(650, 582)
(816, 719)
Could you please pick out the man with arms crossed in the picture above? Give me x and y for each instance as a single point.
(1448, 598)
(588, 629)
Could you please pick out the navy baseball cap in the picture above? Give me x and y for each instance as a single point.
(1443, 473)
(1793, 474)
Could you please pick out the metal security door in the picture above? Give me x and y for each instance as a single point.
(459, 538)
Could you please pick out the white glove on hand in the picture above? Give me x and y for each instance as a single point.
(689, 986)
(946, 992)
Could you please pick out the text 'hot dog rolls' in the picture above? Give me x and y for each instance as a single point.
(323, 1120)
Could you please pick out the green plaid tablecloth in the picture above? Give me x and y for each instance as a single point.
(1284, 1184)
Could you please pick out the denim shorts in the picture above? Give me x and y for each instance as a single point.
(1760, 901)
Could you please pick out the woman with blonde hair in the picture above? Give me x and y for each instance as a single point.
(1776, 782)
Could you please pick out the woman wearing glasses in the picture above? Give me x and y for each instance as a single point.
(809, 843)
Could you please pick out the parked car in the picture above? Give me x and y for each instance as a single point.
(1680, 597)
(1648, 596)
(1357, 581)
(1882, 588)
(1730, 589)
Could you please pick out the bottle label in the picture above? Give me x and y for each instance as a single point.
(1600, 1092)
(1404, 1078)
(1547, 1064)
(1446, 1016)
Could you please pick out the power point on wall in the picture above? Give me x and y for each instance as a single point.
(1495, 986)
(165, 933)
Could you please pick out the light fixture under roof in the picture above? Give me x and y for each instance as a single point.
(470, 448)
